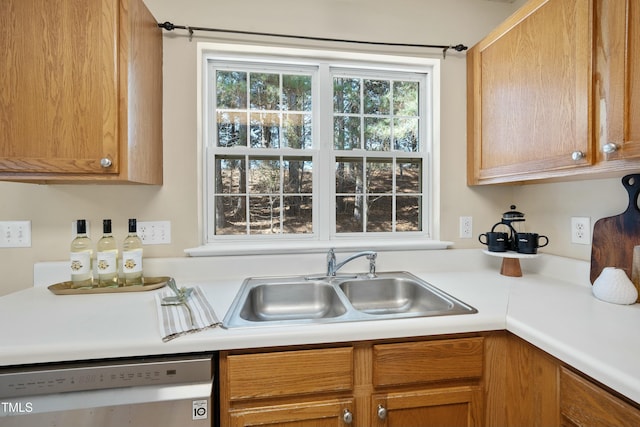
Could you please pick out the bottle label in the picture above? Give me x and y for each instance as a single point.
(80, 262)
(107, 262)
(132, 261)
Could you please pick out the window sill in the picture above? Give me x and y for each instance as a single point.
(244, 248)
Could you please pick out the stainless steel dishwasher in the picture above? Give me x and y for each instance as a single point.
(177, 390)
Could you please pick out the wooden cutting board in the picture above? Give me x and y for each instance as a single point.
(614, 237)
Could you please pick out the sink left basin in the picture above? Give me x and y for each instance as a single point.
(284, 300)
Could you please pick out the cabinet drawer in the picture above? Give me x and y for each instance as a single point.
(584, 403)
(428, 361)
(290, 373)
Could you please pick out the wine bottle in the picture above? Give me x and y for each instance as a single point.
(132, 256)
(81, 257)
(107, 257)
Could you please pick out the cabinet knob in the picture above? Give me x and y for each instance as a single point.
(382, 412)
(609, 148)
(347, 417)
(577, 155)
(105, 162)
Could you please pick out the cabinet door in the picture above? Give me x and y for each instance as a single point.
(617, 79)
(529, 96)
(331, 413)
(442, 407)
(59, 88)
(582, 403)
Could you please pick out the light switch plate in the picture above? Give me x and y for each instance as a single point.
(15, 234)
(154, 232)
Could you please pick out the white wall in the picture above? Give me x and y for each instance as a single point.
(549, 208)
(51, 208)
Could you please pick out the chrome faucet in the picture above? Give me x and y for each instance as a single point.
(332, 267)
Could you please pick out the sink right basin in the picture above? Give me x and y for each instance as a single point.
(393, 295)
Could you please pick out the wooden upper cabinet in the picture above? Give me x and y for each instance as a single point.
(617, 79)
(529, 86)
(554, 93)
(81, 92)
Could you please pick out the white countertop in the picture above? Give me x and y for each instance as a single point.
(551, 306)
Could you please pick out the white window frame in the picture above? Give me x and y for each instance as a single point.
(324, 236)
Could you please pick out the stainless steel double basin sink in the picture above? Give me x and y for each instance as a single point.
(296, 300)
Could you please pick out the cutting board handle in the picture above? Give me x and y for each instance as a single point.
(632, 184)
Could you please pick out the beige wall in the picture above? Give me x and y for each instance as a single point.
(51, 208)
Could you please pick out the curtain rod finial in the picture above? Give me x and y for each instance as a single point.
(167, 26)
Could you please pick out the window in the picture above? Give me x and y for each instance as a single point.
(308, 145)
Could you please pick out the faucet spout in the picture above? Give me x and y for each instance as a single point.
(333, 267)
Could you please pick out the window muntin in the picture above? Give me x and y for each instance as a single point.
(377, 123)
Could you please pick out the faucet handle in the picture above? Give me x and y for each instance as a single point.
(372, 264)
(331, 262)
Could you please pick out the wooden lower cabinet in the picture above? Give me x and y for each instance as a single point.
(583, 403)
(323, 413)
(428, 383)
(494, 379)
(521, 383)
(422, 382)
(526, 386)
(439, 407)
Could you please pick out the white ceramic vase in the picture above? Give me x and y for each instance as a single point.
(613, 285)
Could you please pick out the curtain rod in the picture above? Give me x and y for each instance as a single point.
(170, 27)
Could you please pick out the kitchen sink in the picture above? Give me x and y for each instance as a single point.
(296, 300)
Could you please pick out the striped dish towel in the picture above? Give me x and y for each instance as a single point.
(178, 320)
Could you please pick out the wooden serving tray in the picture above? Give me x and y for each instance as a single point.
(615, 237)
(150, 283)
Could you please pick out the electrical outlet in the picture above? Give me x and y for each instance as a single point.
(154, 232)
(15, 234)
(466, 227)
(581, 230)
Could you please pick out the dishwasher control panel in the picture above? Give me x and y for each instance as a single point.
(96, 375)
